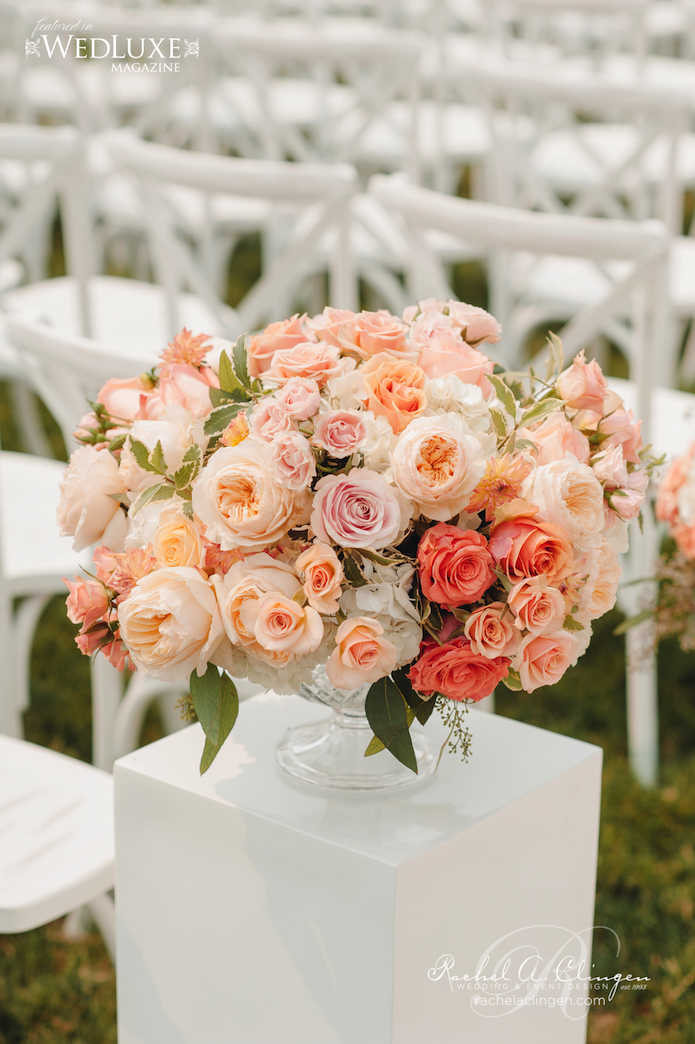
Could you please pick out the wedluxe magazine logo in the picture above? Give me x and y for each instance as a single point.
(127, 54)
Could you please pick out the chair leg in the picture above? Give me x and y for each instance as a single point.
(642, 704)
(107, 694)
(28, 420)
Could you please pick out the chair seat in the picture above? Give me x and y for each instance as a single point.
(35, 555)
(127, 314)
(385, 143)
(56, 822)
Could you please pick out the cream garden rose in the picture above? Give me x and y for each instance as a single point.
(171, 623)
(240, 502)
(87, 510)
(568, 495)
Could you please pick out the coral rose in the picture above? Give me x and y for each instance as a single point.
(537, 606)
(361, 655)
(171, 623)
(395, 390)
(456, 671)
(282, 625)
(542, 659)
(261, 348)
(356, 510)
(239, 501)
(87, 510)
(340, 432)
(179, 541)
(456, 567)
(523, 547)
(323, 576)
(437, 463)
(87, 602)
(491, 633)
(582, 385)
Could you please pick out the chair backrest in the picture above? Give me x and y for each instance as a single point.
(51, 172)
(312, 199)
(638, 291)
(567, 139)
(67, 371)
(355, 70)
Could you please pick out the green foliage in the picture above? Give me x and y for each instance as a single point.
(216, 705)
(387, 713)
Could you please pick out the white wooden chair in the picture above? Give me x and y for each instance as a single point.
(638, 294)
(631, 158)
(57, 852)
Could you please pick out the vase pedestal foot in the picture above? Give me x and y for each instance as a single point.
(253, 911)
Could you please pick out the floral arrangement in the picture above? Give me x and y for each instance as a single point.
(673, 610)
(356, 490)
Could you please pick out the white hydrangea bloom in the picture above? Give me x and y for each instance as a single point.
(385, 598)
(348, 391)
(450, 395)
(380, 442)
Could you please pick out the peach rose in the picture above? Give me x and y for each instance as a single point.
(188, 387)
(282, 625)
(377, 332)
(317, 362)
(542, 659)
(335, 326)
(456, 567)
(456, 671)
(122, 398)
(582, 385)
(300, 397)
(491, 633)
(605, 586)
(87, 510)
(523, 548)
(361, 655)
(340, 432)
(171, 623)
(395, 390)
(448, 354)
(323, 576)
(622, 430)
(555, 437)
(667, 497)
(179, 541)
(568, 494)
(437, 463)
(537, 606)
(239, 501)
(87, 602)
(476, 324)
(243, 584)
(276, 337)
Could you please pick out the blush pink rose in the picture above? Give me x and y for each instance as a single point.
(323, 576)
(300, 398)
(355, 510)
(188, 387)
(627, 501)
(523, 548)
(87, 602)
(456, 567)
(537, 607)
(622, 430)
(456, 671)
(379, 332)
(476, 324)
(491, 631)
(361, 655)
(542, 659)
(582, 385)
(277, 337)
(667, 497)
(282, 625)
(291, 461)
(340, 432)
(555, 437)
(122, 398)
(448, 354)
(269, 418)
(335, 326)
(318, 362)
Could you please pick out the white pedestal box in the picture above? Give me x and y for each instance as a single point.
(252, 910)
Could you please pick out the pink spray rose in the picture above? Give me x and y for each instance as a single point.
(340, 432)
(87, 602)
(188, 387)
(300, 398)
(291, 460)
(268, 418)
(277, 337)
(555, 436)
(622, 430)
(282, 625)
(122, 398)
(582, 385)
(318, 362)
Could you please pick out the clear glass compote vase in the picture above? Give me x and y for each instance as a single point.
(330, 752)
